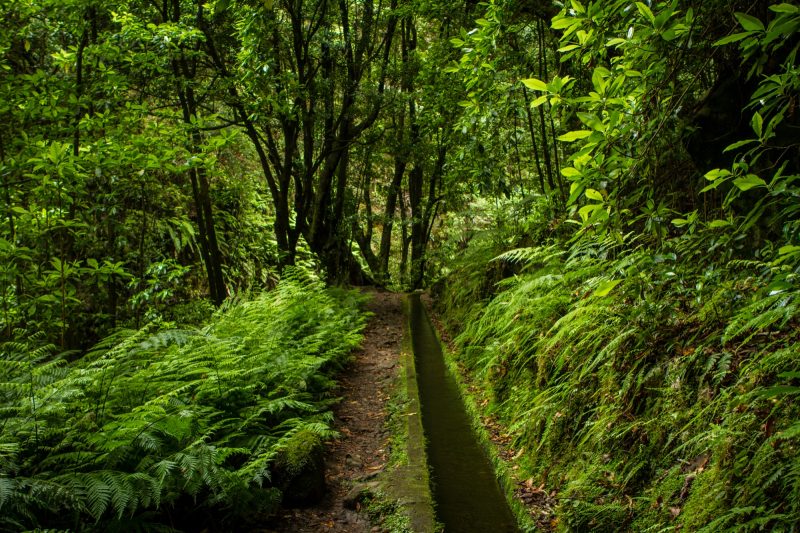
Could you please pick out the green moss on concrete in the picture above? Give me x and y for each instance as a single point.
(405, 502)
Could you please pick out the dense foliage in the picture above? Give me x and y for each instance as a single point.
(641, 347)
(187, 427)
(606, 192)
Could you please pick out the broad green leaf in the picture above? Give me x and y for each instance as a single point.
(790, 249)
(599, 79)
(575, 191)
(645, 11)
(606, 287)
(573, 136)
(749, 22)
(587, 210)
(679, 222)
(594, 195)
(534, 84)
(577, 6)
(560, 23)
(748, 182)
(738, 144)
(568, 48)
(717, 173)
(715, 224)
(570, 172)
(711, 186)
(778, 286)
(733, 38)
(539, 101)
(757, 123)
(785, 8)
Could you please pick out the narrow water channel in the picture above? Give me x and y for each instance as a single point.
(468, 497)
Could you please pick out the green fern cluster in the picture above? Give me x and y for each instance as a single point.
(156, 423)
(652, 394)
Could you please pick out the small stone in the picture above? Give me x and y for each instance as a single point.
(359, 493)
(353, 461)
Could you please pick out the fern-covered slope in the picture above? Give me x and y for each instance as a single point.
(181, 424)
(650, 394)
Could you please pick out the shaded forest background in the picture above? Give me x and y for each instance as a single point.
(603, 194)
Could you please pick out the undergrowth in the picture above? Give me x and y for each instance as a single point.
(650, 392)
(193, 426)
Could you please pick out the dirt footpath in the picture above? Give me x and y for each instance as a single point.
(361, 452)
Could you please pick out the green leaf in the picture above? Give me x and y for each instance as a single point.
(785, 8)
(573, 136)
(749, 22)
(539, 101)
(570, 172)
(594, 195)
(575, 191)
(757, 123)
(778, 286)
(738, 144)
(599, 79)
(568, 48)
(717, 173)
(560, 23)
(645, 11)
(534, 84)
(732, 38)
(716, 224)
(748, 182)
(790, 249)
(587, 210)
(606, 287)
(679, 222)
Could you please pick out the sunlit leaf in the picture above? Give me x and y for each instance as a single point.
(573, 136)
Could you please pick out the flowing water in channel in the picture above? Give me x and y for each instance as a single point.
(467, 494)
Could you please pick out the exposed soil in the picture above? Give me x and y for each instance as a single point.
(362, 450)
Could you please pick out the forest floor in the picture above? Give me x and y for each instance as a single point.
(362, 450)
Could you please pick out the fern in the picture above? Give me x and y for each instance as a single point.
(148, 416)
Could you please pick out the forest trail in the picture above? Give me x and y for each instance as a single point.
(362, 450)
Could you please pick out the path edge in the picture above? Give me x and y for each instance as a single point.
(409, 483)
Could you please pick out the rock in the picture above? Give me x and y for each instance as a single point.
(300, 470)
(360, 492)
(353, 461)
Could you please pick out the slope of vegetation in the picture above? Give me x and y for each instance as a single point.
(192, 427)
(646, 365)
(653, 405)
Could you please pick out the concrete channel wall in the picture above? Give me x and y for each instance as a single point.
(409, 484)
